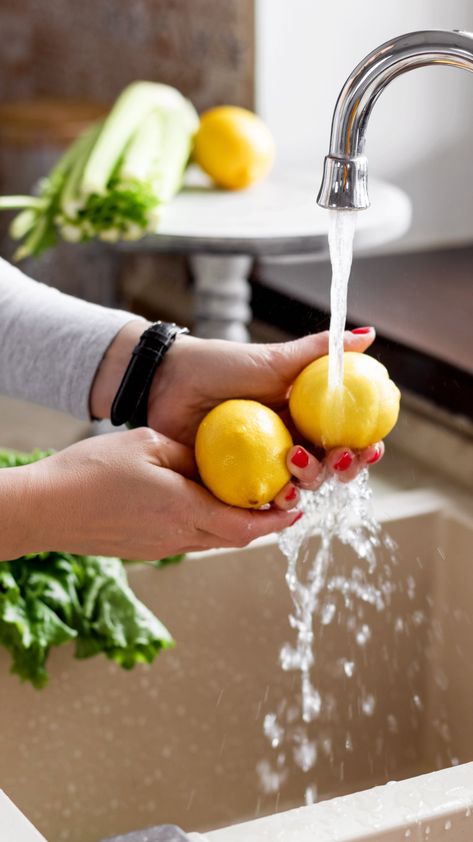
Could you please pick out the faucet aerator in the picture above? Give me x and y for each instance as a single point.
(344, 184)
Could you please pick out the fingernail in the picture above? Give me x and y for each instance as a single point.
(344, 462)
(300, 458)
(291, 494)
(375, 456)
(362, 330)
(297, 517)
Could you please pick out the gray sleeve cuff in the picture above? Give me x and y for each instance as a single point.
(51, 344)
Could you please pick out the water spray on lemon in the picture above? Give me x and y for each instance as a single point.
(241, 445)
(356, 414)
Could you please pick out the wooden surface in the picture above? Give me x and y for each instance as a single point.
(93, 48)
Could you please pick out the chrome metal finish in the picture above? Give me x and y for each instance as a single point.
(344, 183)
(345, 179)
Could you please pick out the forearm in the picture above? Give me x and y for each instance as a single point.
(51, 344)
(20, 510)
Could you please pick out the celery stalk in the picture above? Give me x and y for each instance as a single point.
(175, 150)
(17, 202)
(130, 109)
(143, 148)
(71, 199)
(22, 224)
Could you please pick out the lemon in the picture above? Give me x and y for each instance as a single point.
(233, 146)
(359, 413)
(240, 451)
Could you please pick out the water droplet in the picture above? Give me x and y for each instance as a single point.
(392, 724)
(368, 705)
(311, 704)
(411, 587)
(328, 613)
(348, 668)
(289, 658)
(305, 755)
(363, 635)
(272, 730)
(270, 780)
(310, 795)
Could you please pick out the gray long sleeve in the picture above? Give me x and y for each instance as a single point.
(51, 344)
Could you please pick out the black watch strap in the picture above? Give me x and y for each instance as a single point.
(130, 405)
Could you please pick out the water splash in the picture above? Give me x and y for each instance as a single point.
(342, 512)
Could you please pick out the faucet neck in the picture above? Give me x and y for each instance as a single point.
(344, 184)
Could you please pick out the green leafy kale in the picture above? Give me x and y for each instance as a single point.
(48, 599)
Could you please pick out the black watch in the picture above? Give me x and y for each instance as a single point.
(130, 404)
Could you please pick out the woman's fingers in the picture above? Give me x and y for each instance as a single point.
(305, 467)
(287, 498)
(346, 463)
(238, 527)
(371, 454)
(358, 339)
(343, 462)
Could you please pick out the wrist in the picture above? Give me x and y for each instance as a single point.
(131, 403)
(113, 366)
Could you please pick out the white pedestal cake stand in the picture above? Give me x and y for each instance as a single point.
(222, 232)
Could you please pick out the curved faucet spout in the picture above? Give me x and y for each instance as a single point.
(345, 179)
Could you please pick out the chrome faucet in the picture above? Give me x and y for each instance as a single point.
(345, 179)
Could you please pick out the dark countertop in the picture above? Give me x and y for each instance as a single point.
(423, 300)
(420, 303)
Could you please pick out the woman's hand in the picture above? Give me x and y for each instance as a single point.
(197, 374)
(132, 495)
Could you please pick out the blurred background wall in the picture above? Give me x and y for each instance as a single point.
(421, 131)
(93, 48)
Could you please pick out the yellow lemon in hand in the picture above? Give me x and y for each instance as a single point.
(359, 413)
(240, 451)
(233, 146)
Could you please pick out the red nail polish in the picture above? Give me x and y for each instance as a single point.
(344, 462)
(362, 330)
(297, 517)
(375, 457)
(291, 494)
(300, 458)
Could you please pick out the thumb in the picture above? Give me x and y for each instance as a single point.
(293, 356)
(173, 455)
